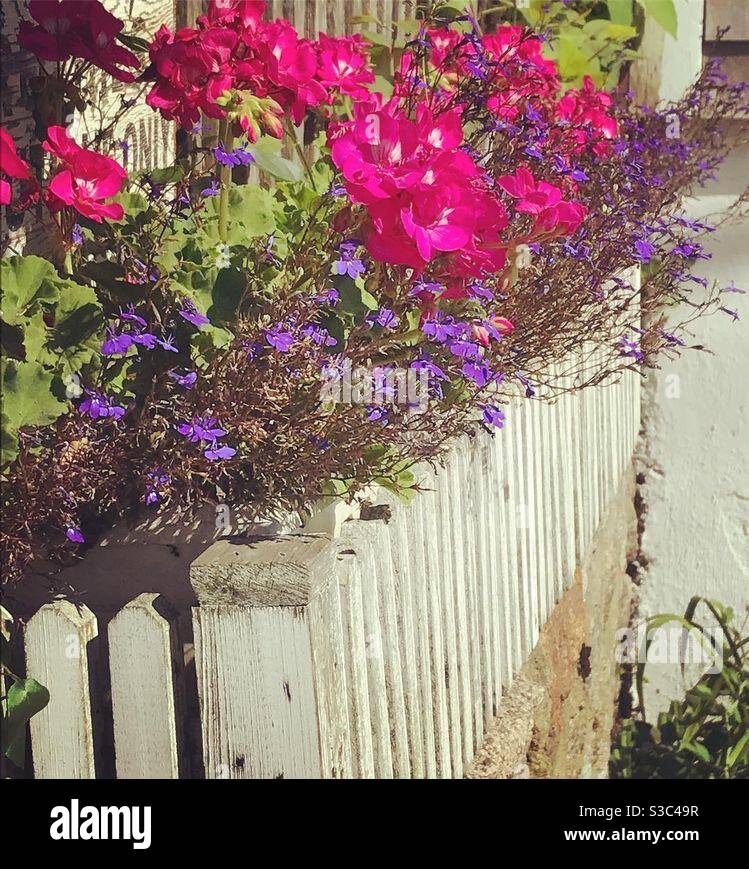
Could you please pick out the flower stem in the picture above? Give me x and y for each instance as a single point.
(300, 153)
(226, 137)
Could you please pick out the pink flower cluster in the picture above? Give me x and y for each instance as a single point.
(517, 78)
(586, 111)
(426, 199)
(424, 195)
(234, 48)
(85, 179)
(509, 61)
(77, 28)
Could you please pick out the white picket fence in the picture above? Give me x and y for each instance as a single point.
(382, 650)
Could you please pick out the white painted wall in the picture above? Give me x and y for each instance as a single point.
(682, 57)
(694, 452)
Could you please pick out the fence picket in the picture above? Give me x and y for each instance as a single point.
(145, 662)
(56, 640)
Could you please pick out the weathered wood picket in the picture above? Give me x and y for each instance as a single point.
(381, 650)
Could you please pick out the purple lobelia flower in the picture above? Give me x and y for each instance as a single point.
(442, 328)
(157, 481)
(186, 381)
(192, 314)
(464, 349)
(384, 318)
(492, 415)
(421, 287)
(213, 188)
(319, 335)
(478, 372)
(217, 452)
(426, 365)
(644, 250)
(631, 348)
(240, 156)
(478, 291)
(376, 413)
(672, 338)
(116, 343)
(74, 535)
(167, 343)
(76, 234)
(529, 390)
(280, 338)
(348, 264)
(329, 297)
(202, 428)
(145, 339)
(132, 317)
(96, 405)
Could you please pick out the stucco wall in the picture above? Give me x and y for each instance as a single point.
(694, 451)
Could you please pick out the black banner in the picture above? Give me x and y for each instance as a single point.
(299, 819)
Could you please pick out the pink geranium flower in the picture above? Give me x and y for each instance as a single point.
(495, 327)
(343, 65)
(246, 14)
(553, 214)
(85, 180)
(11, 165)
(192, 72)
(73, 28)
(533, 196)
(586, 111)
(290, 66)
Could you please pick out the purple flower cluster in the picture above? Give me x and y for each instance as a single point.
(207, 429)
(348, 263)
(97, 405)
(240, 156)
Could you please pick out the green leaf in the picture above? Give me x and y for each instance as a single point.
(25, 281)
(741, 748)
(133, 203)
(335, 487)
(27, 400)
(251, 214)
(167, 175)
(620, 32)
(25, 698)
(621, 11)
(267, 154)
(572, 61)
(134, 43)
(664, 12)
(698, 749)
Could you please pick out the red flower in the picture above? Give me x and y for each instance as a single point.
(77, 28)
(233, 13)
(11, 165)
(290, 69)
(192, 72)
(553, 215)
(86, 179)
(587, 113)
(343, 65)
